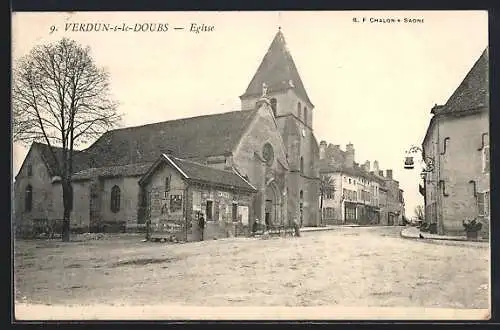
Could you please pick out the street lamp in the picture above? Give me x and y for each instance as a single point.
(409, 164)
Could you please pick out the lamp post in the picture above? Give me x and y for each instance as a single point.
(409, 163)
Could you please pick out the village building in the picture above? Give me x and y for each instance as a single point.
(457, 145)
(353, 193)
(172, 188)
(254, 164)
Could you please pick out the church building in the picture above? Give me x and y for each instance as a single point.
(254, 164)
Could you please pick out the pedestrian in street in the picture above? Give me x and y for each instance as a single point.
(201, 224)
(255, 226)
(296, 227)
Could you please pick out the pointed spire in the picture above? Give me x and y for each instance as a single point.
(277, 70)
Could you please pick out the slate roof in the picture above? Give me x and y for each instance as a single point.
(472, 93)
(112, 171)
(192, 171)
(208, 135)
(277, 69)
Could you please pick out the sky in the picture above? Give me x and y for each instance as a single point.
(373, 84)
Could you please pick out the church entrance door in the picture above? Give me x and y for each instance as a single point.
(272, 209)
(268, 213)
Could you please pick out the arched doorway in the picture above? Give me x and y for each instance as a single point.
(272, 208)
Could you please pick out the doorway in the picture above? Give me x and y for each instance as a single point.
(268, 213)
(272, 205)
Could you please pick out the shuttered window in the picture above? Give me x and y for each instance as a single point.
(480, 204)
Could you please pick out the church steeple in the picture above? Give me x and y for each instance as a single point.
(277, 71)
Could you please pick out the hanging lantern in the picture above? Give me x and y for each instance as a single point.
(409, 164)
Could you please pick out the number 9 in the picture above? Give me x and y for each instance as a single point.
(52, 28)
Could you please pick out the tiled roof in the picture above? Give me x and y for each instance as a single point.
(201, 136)
(201, 173)
(277, 70)
(472, 93)
(50, 162)
(113, 171)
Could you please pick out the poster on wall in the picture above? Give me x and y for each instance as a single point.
(243, 212)
(196, 201)
(175, 203)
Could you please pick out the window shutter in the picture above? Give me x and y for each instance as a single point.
(486, 159)
(480, 204)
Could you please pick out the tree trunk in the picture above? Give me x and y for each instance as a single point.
(67, 203)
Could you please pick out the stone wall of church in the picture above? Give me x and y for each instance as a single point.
(299, 142)
(129, 194)
(80, 215)
(42, 190)
(248, 158)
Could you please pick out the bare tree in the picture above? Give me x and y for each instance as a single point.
(419, 212)
(327, 184)
(61, 97)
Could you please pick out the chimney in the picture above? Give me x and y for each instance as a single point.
(367, 166)
(389, 174)
(349, 155)
(375, 166)
(381, 173)
(332, 151)
(322, 149)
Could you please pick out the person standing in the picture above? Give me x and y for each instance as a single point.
(201, 225)
(296, 227)
(255, 227)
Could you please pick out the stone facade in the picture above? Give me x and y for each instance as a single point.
(460, 174)
(174, 208)
(33, 173)
(457, 143)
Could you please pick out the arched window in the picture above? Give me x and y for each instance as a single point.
(302, 165)
(299, 110)
(28, 198)
(274, 106)
(301, 194)
(115, 199)
(30, 170)
(305, 115)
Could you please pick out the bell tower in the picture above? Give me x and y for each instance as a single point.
(277, 79)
